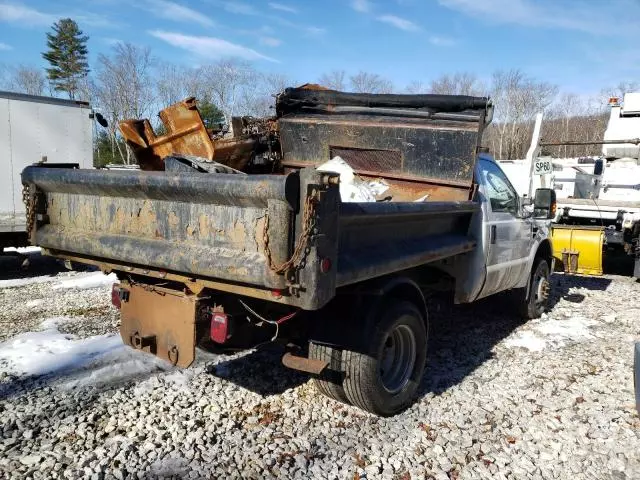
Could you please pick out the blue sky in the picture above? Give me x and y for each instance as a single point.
(580, 45)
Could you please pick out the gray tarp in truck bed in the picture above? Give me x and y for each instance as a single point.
(221, 228)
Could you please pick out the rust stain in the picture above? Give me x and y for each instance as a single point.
(203, 226)
(258, 233)
(238, 235)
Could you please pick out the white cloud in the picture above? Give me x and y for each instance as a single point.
(315, 30)
(594, 17)
(363, 6)
(27, 16)
(4, 46)
(282, 7)
(240, 8)
(398, 22)
(439, 41)
(179, 13)
(209, 47)
(16, 13)
(270, 41)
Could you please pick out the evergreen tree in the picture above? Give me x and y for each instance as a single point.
(67, 56)
(211, 115)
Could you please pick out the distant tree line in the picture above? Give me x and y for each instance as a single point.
(130, 82)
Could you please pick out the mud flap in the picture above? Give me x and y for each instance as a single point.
(578, 249)
(160, 321)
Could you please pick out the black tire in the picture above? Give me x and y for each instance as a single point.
(396, 328)
(534, 305)
(329, 383)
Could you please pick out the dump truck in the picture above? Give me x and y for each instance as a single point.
(227, 261)
(36, 128)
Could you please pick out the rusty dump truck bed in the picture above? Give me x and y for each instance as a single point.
(283, 237)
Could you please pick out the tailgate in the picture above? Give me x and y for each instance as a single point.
(200, 225)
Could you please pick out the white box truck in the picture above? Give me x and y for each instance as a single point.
(37, 129)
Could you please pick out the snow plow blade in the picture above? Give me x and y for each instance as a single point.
(578, 249)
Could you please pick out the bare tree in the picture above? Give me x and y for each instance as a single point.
(26, 79)
(335, 80)
(462, 83)
(416, 86)
(227, 84)
(517, 98)
(260, 100)
(365, 82)
(176, 82)
(124, 87)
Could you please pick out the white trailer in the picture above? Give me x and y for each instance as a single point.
(37, 129)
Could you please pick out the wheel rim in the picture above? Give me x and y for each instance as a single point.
(398, 358)
(541, 289)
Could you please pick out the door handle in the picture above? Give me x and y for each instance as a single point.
(492, 235)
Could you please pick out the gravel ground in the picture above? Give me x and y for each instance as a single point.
(551, 398)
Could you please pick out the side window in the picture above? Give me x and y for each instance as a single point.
(501, 194)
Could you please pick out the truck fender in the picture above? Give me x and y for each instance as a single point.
(545, 251)
(342, 322)
(398, 287)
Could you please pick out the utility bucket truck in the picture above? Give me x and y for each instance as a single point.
(598, 199)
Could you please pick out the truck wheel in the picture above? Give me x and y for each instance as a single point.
(329, 383)
(533, 306)
(384, 377)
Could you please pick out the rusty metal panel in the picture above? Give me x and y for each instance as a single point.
(207, 225)
(369, 159)
(186, 134)
(160, 321)
(436, 150)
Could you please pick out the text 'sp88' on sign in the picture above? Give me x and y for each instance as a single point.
(542, 166)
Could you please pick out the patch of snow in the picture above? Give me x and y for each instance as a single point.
(528, 340)
(20, 282)
(23, 250)
(53, 322)
(552, 332)
(34, 303)
(90, 280)
(576, 328)
(39, 353)
(97, 360)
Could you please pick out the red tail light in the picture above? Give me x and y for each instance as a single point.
(115, 296)
(219, 327)
(119, 295)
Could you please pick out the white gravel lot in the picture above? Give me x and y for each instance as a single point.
(551, 398)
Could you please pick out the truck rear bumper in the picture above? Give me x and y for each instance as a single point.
(160, 321)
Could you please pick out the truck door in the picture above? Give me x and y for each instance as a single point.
(508, 234)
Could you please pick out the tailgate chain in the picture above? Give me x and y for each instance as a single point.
(30, 207)
(300, 250)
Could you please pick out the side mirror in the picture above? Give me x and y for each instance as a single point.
(101, 120)
(544, 203)
(598, 167)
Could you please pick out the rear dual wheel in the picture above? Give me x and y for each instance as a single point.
(383, 377)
